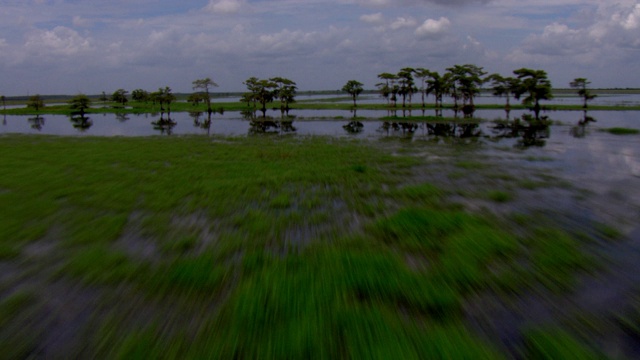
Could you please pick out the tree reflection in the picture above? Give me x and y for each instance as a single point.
(35, 123)
(165, 126)
(580, 130)
(530, 130)
(269, 125)
(122, 117)
(81, 122)
(201, 123)
(353, 127)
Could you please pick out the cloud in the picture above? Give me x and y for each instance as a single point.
(433, 28)
(58, 41)
(630, 20)
(225, 6)
(376, 18)
(78, 21)
(402, 22)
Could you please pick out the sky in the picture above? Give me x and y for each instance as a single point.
(90, 46)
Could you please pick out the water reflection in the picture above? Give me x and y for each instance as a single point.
(268, 125)
(580, 130)
(353, 127)
(35, 123)
(121, 117)
(201, 123)
(81, 122)
(165, 126)
(531, 131)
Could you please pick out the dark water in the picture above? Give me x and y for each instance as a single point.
(305, 122)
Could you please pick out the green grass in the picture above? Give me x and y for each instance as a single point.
(135, 107)
(258, 248)
(622, 131)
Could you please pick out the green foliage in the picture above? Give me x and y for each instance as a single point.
(536, 84)
(581, 85)
(80, 103)
(258, 252)
(622, 131)
(555, 344)
(120, 96)
(353, 88)
(499, 196)
(35, 102)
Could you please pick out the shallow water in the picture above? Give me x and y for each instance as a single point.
(306, 122)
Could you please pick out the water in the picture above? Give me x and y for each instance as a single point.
(306, 122)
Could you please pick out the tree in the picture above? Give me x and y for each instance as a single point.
(163, 96)
(353, 88)
(467, 80)
(196, 98)
(406, 85)
(262, 91)
(388, 89)
(80, 103)
(422, 74)
(285, 91)
(581, 84)
(503, 86)
(35, 102)
(438, 86)
(120, 96)
(140, 95)
(104, 98)
(536, 84)
(204, 85)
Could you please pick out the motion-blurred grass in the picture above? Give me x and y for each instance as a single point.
(253, 248)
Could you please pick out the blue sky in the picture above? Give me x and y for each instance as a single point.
(90, 46)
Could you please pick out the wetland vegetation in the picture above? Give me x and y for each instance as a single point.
(444, 245)
(289, 247)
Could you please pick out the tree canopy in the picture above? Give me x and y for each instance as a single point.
(581, 85)
(534, 83)
(353, 88)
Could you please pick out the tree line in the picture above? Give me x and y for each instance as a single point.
(460, 82)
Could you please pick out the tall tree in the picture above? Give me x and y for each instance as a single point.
(80, 103)
(422, 74)
(438, 86)
(252, 85)
(285, 91)
(262, 91)
(503, 86)
(104, 98)
(163, 96)
(204, 85)
(388, 89)
(140, 95)
(120, 96)
(467, 80)
(536, 84)
(406, 84)
(353, 88)
(35, 102)
(581, 85)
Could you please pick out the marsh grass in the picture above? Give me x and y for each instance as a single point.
(261, 247)
(622, 131)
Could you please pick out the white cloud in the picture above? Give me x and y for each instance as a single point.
(376, 18)
(58, 41)
(78, 21)
(433, 28)
(630, 20)
(402, 22)
(225, 6)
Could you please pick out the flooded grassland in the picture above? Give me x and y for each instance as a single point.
(476, 239)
